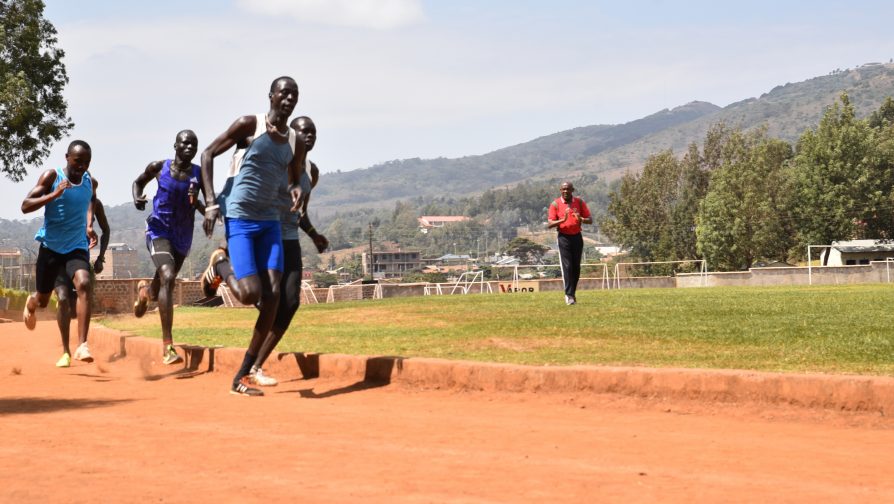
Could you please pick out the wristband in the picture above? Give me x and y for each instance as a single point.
(212, 207)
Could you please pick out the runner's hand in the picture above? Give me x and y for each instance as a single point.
(211, 216)
(321, 243)
(63, 185)
(98, 264)
(298, 198)
(140, 202)
(92, 238)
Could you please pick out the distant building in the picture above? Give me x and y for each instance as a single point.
(121, 261)
(427, 222)
(392, 263)
(854, 252)
(11, 268)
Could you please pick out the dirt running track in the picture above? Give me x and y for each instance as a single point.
(127, 431)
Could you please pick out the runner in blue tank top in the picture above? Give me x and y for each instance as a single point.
(168, 230)
(272, 162)
(67, 196)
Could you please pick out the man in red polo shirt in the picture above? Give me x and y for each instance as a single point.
(566, 214)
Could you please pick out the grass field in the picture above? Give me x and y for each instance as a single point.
(838, 329)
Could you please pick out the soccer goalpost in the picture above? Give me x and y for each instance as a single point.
(467, 282)
(602, 272)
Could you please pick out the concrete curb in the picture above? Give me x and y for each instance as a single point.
(838, 392)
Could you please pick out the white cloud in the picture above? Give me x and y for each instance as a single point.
(376, 14)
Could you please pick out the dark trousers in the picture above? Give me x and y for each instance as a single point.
(571, 248)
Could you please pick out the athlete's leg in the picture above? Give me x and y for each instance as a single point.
(47, 266)
(240, 270)
(267, 250)
(66, 306)
(577, 250)
(289, 301)
(78, 266)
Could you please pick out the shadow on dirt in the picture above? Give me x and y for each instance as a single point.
(32, 405)
(377, 374)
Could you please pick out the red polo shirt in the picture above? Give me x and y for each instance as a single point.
(572, 225)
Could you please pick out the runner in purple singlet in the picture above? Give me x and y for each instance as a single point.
(168, 229)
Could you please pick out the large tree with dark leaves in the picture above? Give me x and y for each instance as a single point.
(33, 113)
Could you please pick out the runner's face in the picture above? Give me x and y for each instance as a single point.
(186, 146)
(284, 96)
(308, 130)
(77, 162)
(567, 190)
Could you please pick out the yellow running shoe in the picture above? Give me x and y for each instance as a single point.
(64, 361)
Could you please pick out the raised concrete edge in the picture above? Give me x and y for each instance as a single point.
(838, 392)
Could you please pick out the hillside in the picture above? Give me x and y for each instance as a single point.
(385, 183)
(607, 150)
(786, 111)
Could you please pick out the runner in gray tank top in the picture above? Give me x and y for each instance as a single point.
(272, 164)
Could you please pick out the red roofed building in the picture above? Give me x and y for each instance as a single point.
(427, 222)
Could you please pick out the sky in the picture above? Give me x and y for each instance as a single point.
(398, 79)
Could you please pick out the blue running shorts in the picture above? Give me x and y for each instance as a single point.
(254, 246)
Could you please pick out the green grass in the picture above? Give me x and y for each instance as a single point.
(837, 329)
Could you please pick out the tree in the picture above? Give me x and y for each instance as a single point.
(526, 250)
(33, 113)
(639, 212)
(843, 178)
(744, 215)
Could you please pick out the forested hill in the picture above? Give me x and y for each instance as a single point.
(608, 150)
(395, 180)
(786, 111)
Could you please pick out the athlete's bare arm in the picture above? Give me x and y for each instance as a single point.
(296, 170)
(100, 213)
(139, 185)
(43, 192)
(238, 132)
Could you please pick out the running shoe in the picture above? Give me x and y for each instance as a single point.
(29, 317)
(567, 299)
(139, 306)
(262, 380)
(171, 356)
(210, 279)
(571, 300)
(243, 387)
(82, 353)
(64, 361)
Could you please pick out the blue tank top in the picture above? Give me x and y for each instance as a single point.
(260, 188)
(65, 218)
(172, 216)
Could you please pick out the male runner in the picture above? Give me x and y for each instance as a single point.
(168, 230)
(272, 159)
(566, 214)
(65, 291)
(68, 195)
(290, 292)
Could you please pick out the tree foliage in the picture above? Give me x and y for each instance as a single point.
(745, 214)
(526, 250)
(33, 112)
(843, 177)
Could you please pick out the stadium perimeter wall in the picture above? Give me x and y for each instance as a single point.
(874, 272)
(117, 296)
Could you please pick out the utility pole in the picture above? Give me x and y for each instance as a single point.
(372, 261)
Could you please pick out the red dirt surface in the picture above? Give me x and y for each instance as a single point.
(132, 431)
